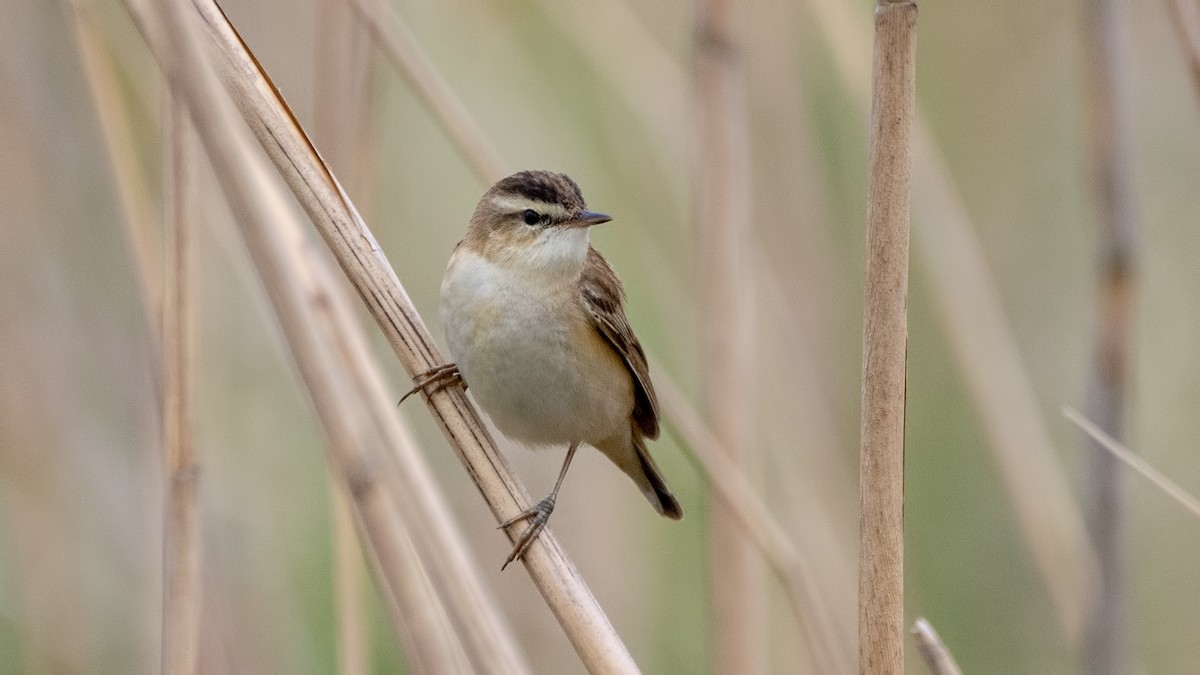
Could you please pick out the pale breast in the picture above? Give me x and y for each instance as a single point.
(530, 356)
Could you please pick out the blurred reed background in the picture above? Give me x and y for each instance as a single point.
(602, 91)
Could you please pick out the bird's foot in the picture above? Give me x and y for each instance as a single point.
(537, 515)
(435, 379)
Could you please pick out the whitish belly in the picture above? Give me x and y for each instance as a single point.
(531, 363)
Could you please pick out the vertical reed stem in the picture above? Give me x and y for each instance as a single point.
(885, 337)
(739, 597)
(182, 598)
(1106, 634)
(967, 299)
(341, 109)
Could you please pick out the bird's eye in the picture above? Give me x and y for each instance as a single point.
(531, 217)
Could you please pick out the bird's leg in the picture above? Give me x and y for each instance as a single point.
(436, 379)
(538, 514)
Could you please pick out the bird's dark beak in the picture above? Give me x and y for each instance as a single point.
(589, 218)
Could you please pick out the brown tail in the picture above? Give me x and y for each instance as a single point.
(654, 486)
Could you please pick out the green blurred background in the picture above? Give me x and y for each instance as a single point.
(999, 82)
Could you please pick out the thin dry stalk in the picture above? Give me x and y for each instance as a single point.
(449, 111)
(644, 75)
(349, 578)
(639, 71)
(1185, 16)
(1134, 461)
(738, 494)
(166, 299)
(885, 342)
(354, 246)
(160, 269)
(935, 653)
(1106, 635)
(330, 351)
(343, 93)
(727, 317)
(969, 306)
(133, 190)
(341, 103)
(730, 483)
(182, 597)
(415, 607)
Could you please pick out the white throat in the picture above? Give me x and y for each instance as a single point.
(557, 251)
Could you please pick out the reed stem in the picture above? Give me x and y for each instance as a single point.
(885, 342)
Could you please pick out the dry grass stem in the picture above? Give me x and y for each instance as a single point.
(349, 578)
(426, 633)
(182, 597)
(398, 99)
(341, 104)
(1185, 15)
(1134, 461)
(133, 190)
(163, 280)
(354, 247)
(1106, 110)
(993, 369)
(972, 313)
(612, 20)
(726, 299)
(655, 88)
(730, 484)
(933, 651)
(631, 62)
(448, 110)
(656, 91)
(347, 391)
(344, 94)
(885, 343)
(729, 481)
(741, 498)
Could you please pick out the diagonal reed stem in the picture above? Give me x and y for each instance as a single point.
(738, 494)
(354, 247)
(331, 353)
(414, 64)
(933, 651)
(341, 97)
(1134, 461)
(163, 280)
(133, 189)
(726, 477)
(1185, 15)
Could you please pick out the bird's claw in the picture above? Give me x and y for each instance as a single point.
(435, 379)
(537, 515)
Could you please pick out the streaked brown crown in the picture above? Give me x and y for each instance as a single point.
(500, 226)
(543, 186)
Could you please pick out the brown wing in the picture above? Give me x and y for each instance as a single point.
(603, 297)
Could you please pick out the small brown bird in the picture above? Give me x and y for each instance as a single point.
(534, 320)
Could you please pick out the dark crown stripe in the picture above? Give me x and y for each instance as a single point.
(543, 186)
